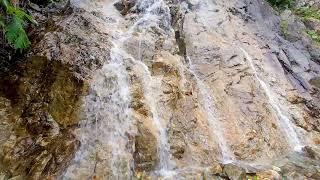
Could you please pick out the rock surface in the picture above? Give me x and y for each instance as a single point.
(181, 90)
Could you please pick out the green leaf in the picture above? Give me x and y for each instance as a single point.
(14, 31)
(20, 14)
(2, 22)
(22, 42)
(16, 35)
(5, 3)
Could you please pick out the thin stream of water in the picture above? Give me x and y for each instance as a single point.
(154, 13)
(216, 127)
(283, 120)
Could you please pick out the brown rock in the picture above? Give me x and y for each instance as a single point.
(269, 175)
(145, 154)
(39, 158)
(234, 172)
(313, 153)
(216, 169)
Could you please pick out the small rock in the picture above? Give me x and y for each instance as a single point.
(294, 98)
(269, 174)
(311, 152)
(216, 169)
(3, 176)
(234, 172)
(277, 169)
(35, 7)
(124, 6)
(17, 178)
(315, 82)
(119, 6)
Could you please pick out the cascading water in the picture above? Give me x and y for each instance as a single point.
(106, 122)
(216, 127)
(165, 163)
(107, 113)
(283, 120)
(157, 15)
(150, 111)
(207, 100)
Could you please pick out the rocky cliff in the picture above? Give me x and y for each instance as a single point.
(170, 89)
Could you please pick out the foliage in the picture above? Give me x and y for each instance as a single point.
(281, 4)
(308, 13)
(13, 24)
(314, 35)
(16, 35)
(2, 25)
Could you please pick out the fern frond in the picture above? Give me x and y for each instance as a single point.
(16, 35)
(5, 4)
(22, 42)
(14, 31)
(2, 22)
(20, 13)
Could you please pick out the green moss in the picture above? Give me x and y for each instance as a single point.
(252, 177)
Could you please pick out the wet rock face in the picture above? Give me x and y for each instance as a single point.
(39, 146)
(44, 94)
(40, 85)
(187, 71)
(234, 172)
(145, 155)
(38, 158)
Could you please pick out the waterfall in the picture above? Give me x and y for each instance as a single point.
(156, 14)
(107, 113)
(150, 93)
(216, 127)
(105, 124)
(283, 120)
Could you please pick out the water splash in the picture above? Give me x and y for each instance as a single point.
(283, 120)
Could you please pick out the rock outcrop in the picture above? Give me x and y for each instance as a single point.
(42, 97)
(174, 89)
